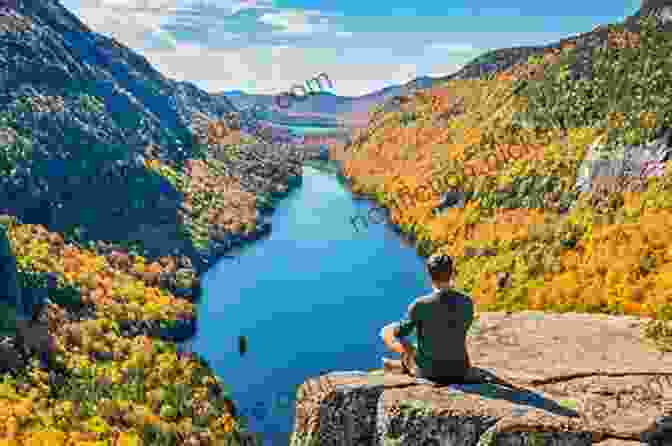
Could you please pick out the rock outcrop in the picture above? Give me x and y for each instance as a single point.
(660, 9)
(573, 379)
(629, 163)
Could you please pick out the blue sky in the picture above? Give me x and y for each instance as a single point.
(266, 46)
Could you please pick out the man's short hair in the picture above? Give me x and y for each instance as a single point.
(440, 267)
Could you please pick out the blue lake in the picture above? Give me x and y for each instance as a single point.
(314, 130)
(310, 298)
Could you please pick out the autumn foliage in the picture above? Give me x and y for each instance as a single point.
(142, 385)
(609, 252)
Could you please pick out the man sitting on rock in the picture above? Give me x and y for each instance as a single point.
(441, 321)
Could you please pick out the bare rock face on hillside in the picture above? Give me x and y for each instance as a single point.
(629, 163)
(537, 378)
(660, 9)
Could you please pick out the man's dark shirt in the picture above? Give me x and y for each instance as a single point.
(442, 320)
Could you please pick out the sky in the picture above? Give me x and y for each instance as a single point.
(267, 46)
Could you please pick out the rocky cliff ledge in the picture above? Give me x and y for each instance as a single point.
(581, 379)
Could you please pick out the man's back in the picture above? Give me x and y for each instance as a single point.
(443, 319)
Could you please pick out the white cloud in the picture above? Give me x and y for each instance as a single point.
(140, 24)
(222, 35)
(166, 6)
(271, 70)
(271, 66)
(280, 48)
(453, 47)
(275, 71)
(440, 70)
(164, 39)
(295, 21)
(251, 4)
(405, 72)
(137, 30)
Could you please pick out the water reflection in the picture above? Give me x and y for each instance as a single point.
(310, 298)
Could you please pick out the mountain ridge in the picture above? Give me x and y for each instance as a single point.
(79, 108)
(325, 105)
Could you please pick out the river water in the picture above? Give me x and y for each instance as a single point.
(309, 298)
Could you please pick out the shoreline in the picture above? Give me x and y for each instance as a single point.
(408, 236)
(154, 324)
(216, 249)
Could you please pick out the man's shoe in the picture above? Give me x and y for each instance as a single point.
(659, 432)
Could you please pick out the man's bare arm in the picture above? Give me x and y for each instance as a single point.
(411, 315)
(390, 339)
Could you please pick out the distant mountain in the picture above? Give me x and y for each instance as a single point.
(323, 107)
(396, 90)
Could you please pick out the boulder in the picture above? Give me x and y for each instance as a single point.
(568, 379)
(450, 199)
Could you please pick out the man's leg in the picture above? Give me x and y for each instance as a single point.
(407, 362)
(405, 365)
(393, 365)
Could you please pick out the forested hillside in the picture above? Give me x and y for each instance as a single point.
(114, 194)
(562, 162)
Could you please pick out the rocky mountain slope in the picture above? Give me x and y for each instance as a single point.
(79, 109)
(47, 48)
(82, 115)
